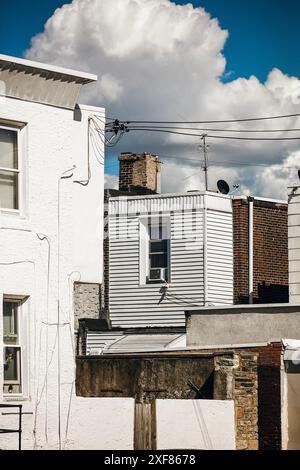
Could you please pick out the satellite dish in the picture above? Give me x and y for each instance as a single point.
(223, 187)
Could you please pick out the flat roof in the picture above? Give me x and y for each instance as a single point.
(83, 76)
(170, 195)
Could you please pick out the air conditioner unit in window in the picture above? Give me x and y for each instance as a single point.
(158, 275)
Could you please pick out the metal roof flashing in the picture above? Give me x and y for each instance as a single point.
(40, 66)
(42, 83)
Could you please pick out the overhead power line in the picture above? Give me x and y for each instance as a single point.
(266, 118)
(216, 130)
(212, 136)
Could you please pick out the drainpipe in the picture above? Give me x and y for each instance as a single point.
(250, 249)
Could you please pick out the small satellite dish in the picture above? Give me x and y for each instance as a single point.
(223, 187)
(299, 174)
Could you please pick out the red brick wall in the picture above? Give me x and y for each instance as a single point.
(240, 251)
(270, 257)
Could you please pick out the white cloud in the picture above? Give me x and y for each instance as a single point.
(158, 60)
(111, 181)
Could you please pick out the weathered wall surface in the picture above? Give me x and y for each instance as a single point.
(144, 377)
(87, 301)
(195, 424)
(54, 141)
(218, 375)
(242, 325)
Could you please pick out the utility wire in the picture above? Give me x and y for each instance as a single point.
(215, 136)
(253, 131)
(284, 116)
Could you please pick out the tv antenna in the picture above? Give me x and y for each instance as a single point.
(205, 147)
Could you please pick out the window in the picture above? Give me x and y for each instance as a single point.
(12, 351)
(9, 168)
(158, 251)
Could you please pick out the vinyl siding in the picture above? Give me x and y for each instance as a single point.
(135, 305)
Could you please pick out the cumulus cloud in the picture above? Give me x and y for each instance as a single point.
(162, 61)
(111, 181)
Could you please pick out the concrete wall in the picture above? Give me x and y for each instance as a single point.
(54, 139)
(195, 424)
(242, 325)
(87, 301)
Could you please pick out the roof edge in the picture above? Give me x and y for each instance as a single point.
(84, 76)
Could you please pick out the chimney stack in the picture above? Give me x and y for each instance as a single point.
(139, 172)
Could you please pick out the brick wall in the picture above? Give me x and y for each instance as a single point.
(257, 396)
(270, 252)
(269, 396)
(139, 171)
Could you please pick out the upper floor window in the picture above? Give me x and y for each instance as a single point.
(9, 168)
(158, 251)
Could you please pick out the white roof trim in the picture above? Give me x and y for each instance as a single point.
(86, 77)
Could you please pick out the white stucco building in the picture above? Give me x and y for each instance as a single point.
(51, 214)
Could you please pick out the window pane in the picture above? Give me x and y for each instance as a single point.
(8, 190)
(159, 246)
(158, 261)
(12, 365)
(8, 149)
(10, 322)
(154, 231)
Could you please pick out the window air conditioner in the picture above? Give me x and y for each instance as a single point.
(158, 275)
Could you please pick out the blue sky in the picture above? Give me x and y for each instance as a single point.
(262, 33)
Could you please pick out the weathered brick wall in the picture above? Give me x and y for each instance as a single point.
(269, 396)
(236, 375)
(138, 170)
(87, 301)
(240, 251)
(270, 252)
(245, 396)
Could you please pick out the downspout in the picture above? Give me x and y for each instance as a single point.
(250, 249)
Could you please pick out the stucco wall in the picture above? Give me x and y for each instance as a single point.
(195, 424)
(242, 325)
(54, 140)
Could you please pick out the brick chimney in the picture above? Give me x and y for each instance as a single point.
(139, 172)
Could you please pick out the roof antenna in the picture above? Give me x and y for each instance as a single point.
(205, 147)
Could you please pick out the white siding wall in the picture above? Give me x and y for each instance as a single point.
(219, 246)
(133, 304)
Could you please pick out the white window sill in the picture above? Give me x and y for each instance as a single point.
(14, 399)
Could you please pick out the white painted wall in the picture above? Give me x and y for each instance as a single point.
(201, 257)
(294, 244)
(53, 141)
(195, 424)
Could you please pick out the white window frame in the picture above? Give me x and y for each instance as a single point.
(22, 342)
(144, 239)
(18, 171)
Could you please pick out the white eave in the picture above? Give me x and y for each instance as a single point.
(42, 83)
(79, 76)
